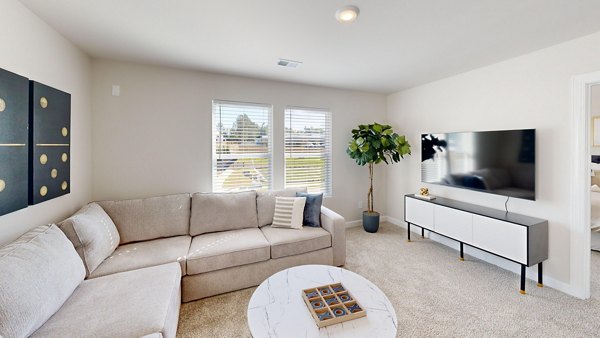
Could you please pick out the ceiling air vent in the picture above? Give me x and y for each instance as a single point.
(288, 63)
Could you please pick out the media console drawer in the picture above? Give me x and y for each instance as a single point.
(453, 223)
(419, 212)
(519, 238)
(502, 238)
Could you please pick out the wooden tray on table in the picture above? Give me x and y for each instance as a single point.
(332, 304)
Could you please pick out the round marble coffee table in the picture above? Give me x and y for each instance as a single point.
(277, 309)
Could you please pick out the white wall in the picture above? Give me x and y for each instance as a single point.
(155, 138)
(32, 49)
(531, 91)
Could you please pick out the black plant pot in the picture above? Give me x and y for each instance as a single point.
(370, 221)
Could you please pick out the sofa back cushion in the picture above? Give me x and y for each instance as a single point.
(38, 272)
(93, 234)
(265, 203)
(150, 218)
(213, 212)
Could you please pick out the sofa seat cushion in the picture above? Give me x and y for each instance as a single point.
(220, 250)
(213, 212)
(93, 234)
(127, 304)
(38, 272)
(150, 218)
(289, 242)
(144, 254)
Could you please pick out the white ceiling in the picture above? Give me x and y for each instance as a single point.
(393, 45)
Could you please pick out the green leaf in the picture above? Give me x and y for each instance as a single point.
(353, 146)
(377, 128)
(405, 149)
(376, 143)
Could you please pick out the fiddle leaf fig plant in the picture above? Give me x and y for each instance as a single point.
(375, 143)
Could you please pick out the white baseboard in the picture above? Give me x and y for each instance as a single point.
(396, 221)
(353, 224)
(358, 222)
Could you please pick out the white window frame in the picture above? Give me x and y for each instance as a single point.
(216, 156)
(328, 155)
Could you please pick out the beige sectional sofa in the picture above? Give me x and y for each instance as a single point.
(142, 257)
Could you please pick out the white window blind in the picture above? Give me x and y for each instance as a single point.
(242, 149)
(308, 149)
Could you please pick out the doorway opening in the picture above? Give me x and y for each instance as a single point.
(581, 200)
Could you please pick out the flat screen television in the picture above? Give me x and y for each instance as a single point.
(499, 162)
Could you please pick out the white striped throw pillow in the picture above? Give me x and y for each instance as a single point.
(288, 212)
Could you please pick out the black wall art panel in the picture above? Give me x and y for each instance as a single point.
(50, 142)
(14, 115)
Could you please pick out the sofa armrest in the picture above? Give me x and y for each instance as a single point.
(335, 224)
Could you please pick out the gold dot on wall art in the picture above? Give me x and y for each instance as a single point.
(2, 185)
(43, 159)
(64, 157)
(43, 190)
(53, 173)
(43, 102)
(2, 105)
(64, 132)
(64, 185)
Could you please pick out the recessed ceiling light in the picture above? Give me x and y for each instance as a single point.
(288, 63)
(347, 14)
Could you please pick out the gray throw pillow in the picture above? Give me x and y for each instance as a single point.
(312, 209)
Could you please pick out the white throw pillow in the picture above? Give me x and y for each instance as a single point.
(289, 212)
(595, 188)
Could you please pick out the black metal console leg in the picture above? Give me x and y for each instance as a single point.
(522, 291)
(462, 252)
(540, 283)
(423, 232)
(408, 232)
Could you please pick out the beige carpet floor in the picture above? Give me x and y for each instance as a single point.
(434, 294)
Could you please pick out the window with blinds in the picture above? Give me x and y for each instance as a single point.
(308, 149)
(242, 149)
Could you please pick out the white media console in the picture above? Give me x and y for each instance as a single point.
(518, 238)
